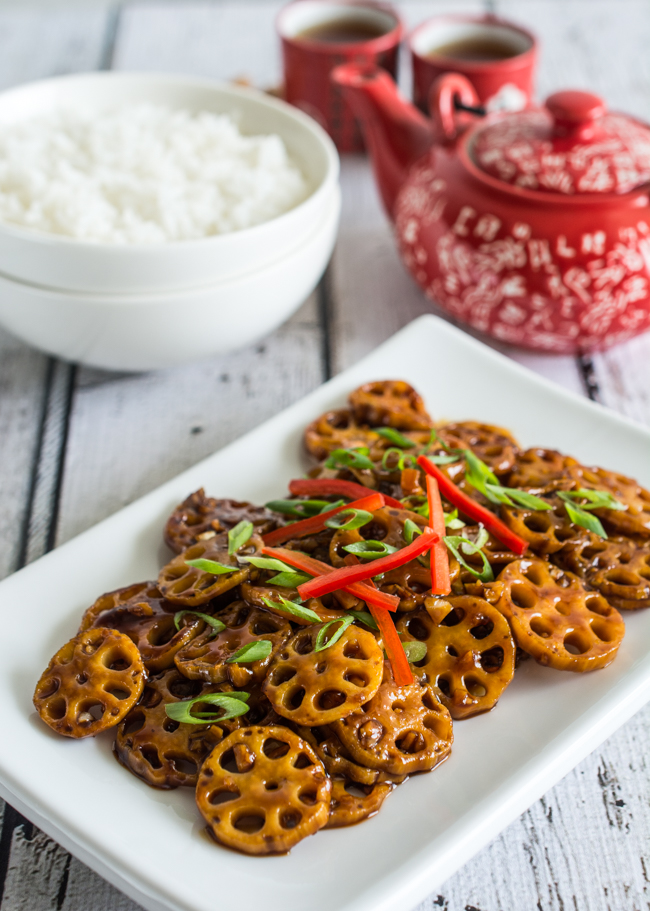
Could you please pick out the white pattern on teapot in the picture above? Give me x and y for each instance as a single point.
(596, 299)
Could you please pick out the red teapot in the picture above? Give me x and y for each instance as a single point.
(532, 227)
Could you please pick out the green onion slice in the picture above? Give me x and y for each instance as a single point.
(415, 651)
(356, 518)
(216, 625)
(394, 437)
(322, 642)
(454, 543)
(443, 459)
(579, 516)
(301, 509)
(404, 460)
(522, 498)
(363, 616)
(211, 566)
(289, 580)
(452, 520)
(596, 499)
(239, 535)
(410, 530)
(370, 550)
(268, 563)
(252, 651)
(349, 458)
(291, 607)
(231, 704)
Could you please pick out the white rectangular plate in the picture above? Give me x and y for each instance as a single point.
(151, 843)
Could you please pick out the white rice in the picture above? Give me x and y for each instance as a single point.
(142, 174)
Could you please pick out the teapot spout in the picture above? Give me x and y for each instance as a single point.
(395, 132)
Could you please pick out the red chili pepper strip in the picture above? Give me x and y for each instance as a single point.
(317, 523)
(360, 590)
(313, 487)
(440, 582)
(473, 509)
(402, 673)
(346, 575)
(393, 645)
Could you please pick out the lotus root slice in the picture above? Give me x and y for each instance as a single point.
(90, 684)
(262, 790)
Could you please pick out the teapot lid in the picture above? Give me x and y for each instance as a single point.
(573, 145)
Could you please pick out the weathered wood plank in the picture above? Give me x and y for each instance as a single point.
(33, 403)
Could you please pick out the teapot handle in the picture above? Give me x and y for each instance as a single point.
(445, 92)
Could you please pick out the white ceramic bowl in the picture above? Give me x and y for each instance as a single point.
(67, 264)
(157, 330)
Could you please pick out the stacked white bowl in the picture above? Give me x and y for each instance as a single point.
(149, 306)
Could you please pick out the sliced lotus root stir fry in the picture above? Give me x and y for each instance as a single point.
(128, 596)
(401, 730)
(270, 598)
(316, 687)
(262, 790)
(544, 470)
(161, 751)
(90, 684)
(352, 802)
(284, 713)
(389, 403)
(249, 633)
(411, 583)
(618, 567)
(148, 620)
(338, 430)
(635, 518)
(493, 445)
(191, 586)
(555, 619)
(335, 757)
(470, 657)
(546, 530)
(199, 517)
(496, 553)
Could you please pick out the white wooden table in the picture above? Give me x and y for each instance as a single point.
(78, 444)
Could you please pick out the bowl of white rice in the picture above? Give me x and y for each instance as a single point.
(120, 191)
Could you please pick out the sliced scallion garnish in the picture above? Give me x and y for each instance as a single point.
(211, 566)
(370, 550)
(454, 543)
(291, 607)
(394, 437)
(410, 530)
(216, 625)
(300, 509)
(231, 704)
(322, 642)
(291, 579)
(452, 521)
(404, 460)
(363, 616)
(239, 535)
(415, 651)
(349, 458)
(596, 499)
(252, 651)
(349, 519)
(579, 514)
(267, 563)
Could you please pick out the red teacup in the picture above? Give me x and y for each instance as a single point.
(498, 57)
(318, 35)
